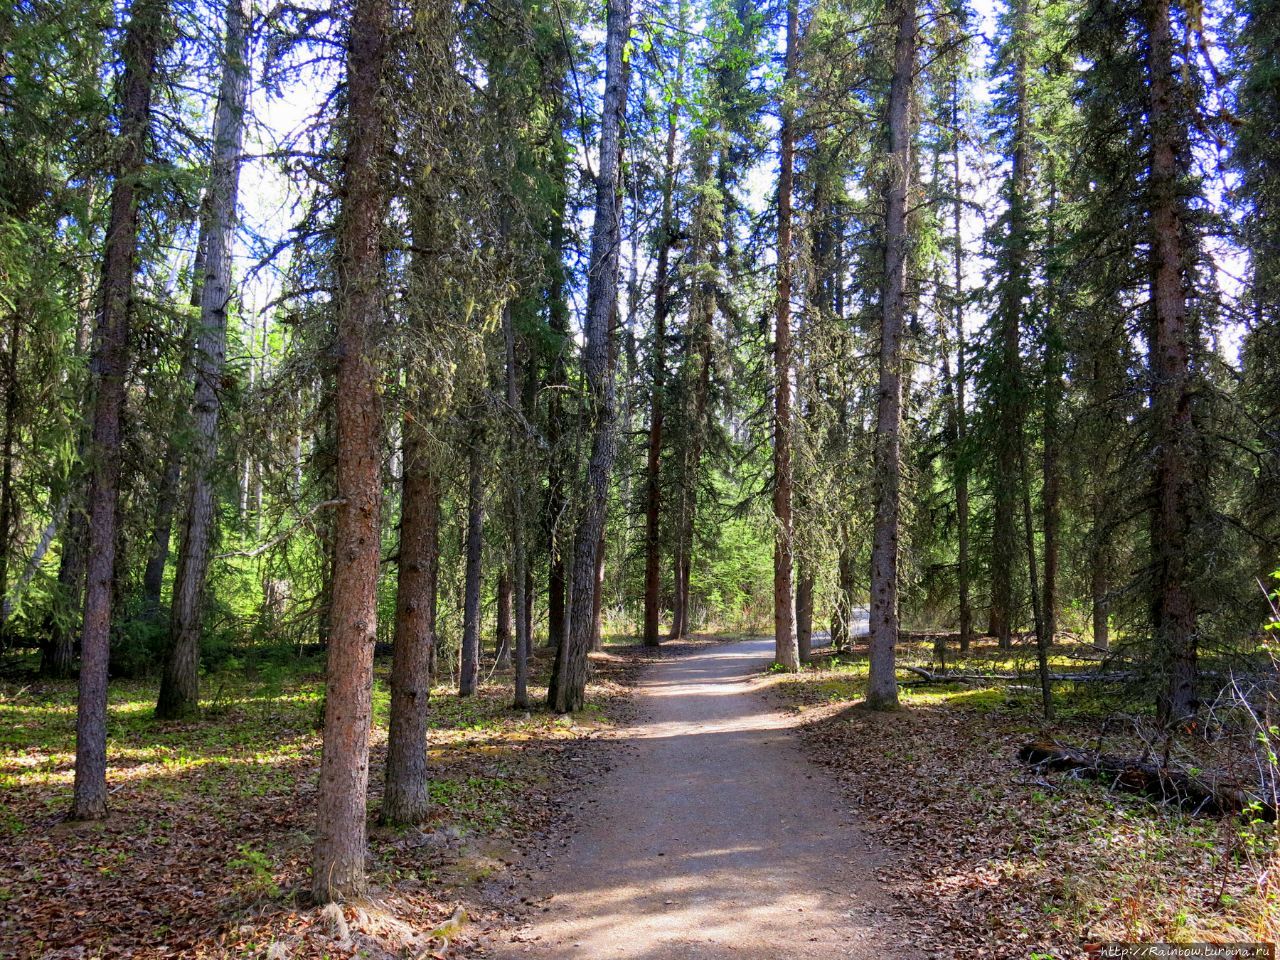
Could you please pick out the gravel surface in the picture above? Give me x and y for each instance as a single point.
(711, 836)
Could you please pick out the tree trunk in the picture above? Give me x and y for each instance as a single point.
(1014, 290)
(521, 574)
(504, 627)
(960, 462)
(406, 798)
(469, 669)
(804, 613)
(142, 43)
(8, 504)
(338, 861)
(1175, 614)
(653, 464)
(786, 652)
(57, 659)
(842, 620)
(679, 597)
(597, 596)
(1100, 585)
(170, 490)
(569, 677)
(882, 686)
(180, 686)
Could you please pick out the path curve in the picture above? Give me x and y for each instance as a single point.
(712, 837)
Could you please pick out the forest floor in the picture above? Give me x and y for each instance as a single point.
(206, 849)
(993, 859)
(678, 817)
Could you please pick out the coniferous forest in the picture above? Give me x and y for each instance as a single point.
(453, 455)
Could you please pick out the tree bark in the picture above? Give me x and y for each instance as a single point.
(406, 798)
(8, 501)
(1169, 344)
(469, 668)
(653, 464)
(521, 574)
(170, 490)
(1013, 294)
(180, 686)
(786, 651)
(597, 596)
(960, 462)
(338, 860)
(804, 613)
(882, 686)
(142, 44)
(569, 677)
(504, 626)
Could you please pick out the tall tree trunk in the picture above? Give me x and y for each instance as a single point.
(406, 797)
(505, 621)
(1051, 495)
(338, 861)
(882, 684)
(786, 651)
(469, 668)
(653, 464)
(142, 43)
(804, 613)
(960, 463)
(680, 594)
(557, 497)
(1175, 614)
(597, 596)
(8, 501)
(170, 490)
(180, 686)
(57, 659)
(521, 574)
(1043, 639)
(1014, 290)
(842, 620)
(569, 677)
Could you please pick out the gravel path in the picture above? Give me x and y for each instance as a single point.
(712, 836)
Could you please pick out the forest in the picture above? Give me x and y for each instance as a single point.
(435, 432)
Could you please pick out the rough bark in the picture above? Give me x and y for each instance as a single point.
(469, 667)
(597, 596)
(338, 860)
(504, 625)
(180, 686)
(1169, 346)
(653, 462)
(804, 613)
(786, 652)
(569, 677)
(1013, 293)
(406, 798)
(521, 574)
(142, 44)
(960, 462)
(170, 491)
(882, 687)
(8, 501)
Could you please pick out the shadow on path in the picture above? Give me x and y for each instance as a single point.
(712, 837)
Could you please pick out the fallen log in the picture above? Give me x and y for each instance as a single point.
(1213, 796)
(927, 677)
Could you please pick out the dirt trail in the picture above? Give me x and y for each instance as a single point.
(712, 837)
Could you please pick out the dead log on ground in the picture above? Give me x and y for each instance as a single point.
(1196, 794)
(927, 677)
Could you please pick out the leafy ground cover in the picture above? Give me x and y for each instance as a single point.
(991, 859)
(206, 850)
